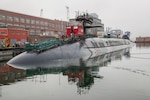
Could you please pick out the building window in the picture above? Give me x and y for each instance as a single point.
(50, 24)
(22, 25)
(16, 19)
(53, 25)
(37, 27)
(42, 28)
(46, 28)
(28, 21)
(56, 25)
(32, 32)
(12, 33)
(32, 26)
(9, 24)
(38, 32)
(16, 24)
(2, 17)
(23, 33)
(27, 26)
(32, 21)
(17, 33)
(46, 24)
(2, 33)
(22, 20)
(37, 22)
(13, 41)
(42, 23)
(2, 24)
(9, 18)
(52, 33)
(23, 41)
(64, 27)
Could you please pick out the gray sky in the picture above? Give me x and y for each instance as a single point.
(128, 15)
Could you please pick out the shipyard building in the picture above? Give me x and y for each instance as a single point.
(19, 27)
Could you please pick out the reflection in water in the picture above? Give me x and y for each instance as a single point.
(82, 76)
(141, 45)
(142, 51)
(10, 74)
(142, 72)
(83, 73)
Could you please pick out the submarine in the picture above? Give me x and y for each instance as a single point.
(68, 52)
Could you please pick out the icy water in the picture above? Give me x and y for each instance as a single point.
(122, 75)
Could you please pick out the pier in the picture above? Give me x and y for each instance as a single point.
(8, 53)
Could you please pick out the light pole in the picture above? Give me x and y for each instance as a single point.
(67, 12)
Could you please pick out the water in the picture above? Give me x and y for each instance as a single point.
(122, 75)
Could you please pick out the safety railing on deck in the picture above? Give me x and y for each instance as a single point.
(43, 45)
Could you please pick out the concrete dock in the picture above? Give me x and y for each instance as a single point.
(8, 53)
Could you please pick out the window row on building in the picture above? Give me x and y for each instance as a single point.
(35, 25)
(13, 33)
(62, 28)
(28, 21)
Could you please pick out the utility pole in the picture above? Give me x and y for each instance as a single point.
(41, 13)
(67, 12)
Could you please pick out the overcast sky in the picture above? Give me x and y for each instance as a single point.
(128, 15)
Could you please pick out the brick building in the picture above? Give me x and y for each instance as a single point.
(10, 35)
(38, 27)
(142, 39)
